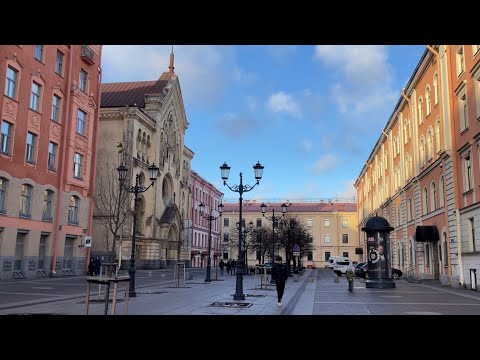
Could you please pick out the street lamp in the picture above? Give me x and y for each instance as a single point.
(246, 230)
(225, 169)
(136, 189)
(210, 218)
(273, 218)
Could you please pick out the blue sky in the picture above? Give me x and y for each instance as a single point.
(310, 114)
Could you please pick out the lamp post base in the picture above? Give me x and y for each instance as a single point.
(208, 280)
(239, 295)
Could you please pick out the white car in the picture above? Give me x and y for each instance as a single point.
(341, 267)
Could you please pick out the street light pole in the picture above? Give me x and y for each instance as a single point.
(137, 189)
(210, 218)
(273, 218)
(225, 169)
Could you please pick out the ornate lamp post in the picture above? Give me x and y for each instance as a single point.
(209, 217)
(274, 219)
(247, 229)
(225, 169)
(136, 189)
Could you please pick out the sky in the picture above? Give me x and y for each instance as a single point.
(310, 114)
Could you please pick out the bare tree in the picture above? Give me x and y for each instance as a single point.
(292, 231)
(112, 202)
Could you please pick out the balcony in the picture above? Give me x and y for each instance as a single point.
(87, 55)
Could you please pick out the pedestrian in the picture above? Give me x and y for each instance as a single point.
(97, 266)
(350, 276)
(91, 267)
(280, 276)
(221, 265)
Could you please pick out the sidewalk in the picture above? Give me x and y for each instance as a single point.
(195, 297)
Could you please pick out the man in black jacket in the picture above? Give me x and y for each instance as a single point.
(279, 275)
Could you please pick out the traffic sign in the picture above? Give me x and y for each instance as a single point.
(296, 247)
(88, 241)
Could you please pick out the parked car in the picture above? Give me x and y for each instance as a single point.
(341, 267)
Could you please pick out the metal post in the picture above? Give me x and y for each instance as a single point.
(132, 271)
(239, 295)
(209, 260)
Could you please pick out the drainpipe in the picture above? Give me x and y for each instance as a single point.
(432, 50)
(459, 247)
(93, 177)
(65, 132)
(404, 95)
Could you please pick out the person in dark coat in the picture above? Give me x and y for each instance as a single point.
(97, 265)
(91, 267)
(280, 276)
(221, 265)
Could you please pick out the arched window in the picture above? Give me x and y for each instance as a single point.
(47, 205)
(73, 210)
(437, 135)
(425, 201)
(407, 160)
(409, 210)
(420, 111)
(422, 152)
(429, 144)
(441, 192)
(26, 200)
(428, 100)
(433, 196)
(405, 131)
(435, 88)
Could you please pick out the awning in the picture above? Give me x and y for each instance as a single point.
(426, 233)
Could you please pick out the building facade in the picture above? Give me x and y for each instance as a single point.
(204, 192)
(420, 174)
(147, 121)
(332, 225)
(49, 127)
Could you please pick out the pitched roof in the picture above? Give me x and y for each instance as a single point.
(294, 207)
(129, 93)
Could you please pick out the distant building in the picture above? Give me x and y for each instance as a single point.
(144, 123)
(49, 128)
(204, 192)
(332, 225)
(421, 174)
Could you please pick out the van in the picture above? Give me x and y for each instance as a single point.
(333, 259)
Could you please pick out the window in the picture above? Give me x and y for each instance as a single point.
(476, 80)
(409, 210)
(326, 223)
(83, 80)
(17, 263)
(345, 254)
(259, 223)
(327, 255)
(3, 194)
(41, 252)
(56, 102)
(11, 83)
(226, 237)
(73, 210)
(309, 222)
(310, 256)
(467, 173)
(81, 115)
(35, 99)
(420, 111)
(422, 152)
(429, 144)
(7, 130)
(471, 229)
(437, 135)
(31, 142)
(327, 238)
(460, 61)
(39, 52)
(225, 256)
(462, 108)
(344, 238)
(425, 201)
(77, 165)
(47, 205)
(25, 200)
(435, 88)
(441, 190)
(433, 197)
(52, 154)
(59, 63)
(226, 222)
(345, 223)
(428, 100)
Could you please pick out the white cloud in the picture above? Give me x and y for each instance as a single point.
(364, 75)
(193, 64)
(324, 164)
(281, 102)
(236, 126)
(306, 145)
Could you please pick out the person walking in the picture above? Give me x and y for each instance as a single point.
(350, 276)
(221, 265)
(280, 276)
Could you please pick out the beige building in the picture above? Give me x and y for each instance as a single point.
(332, 224)
(147, 121)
